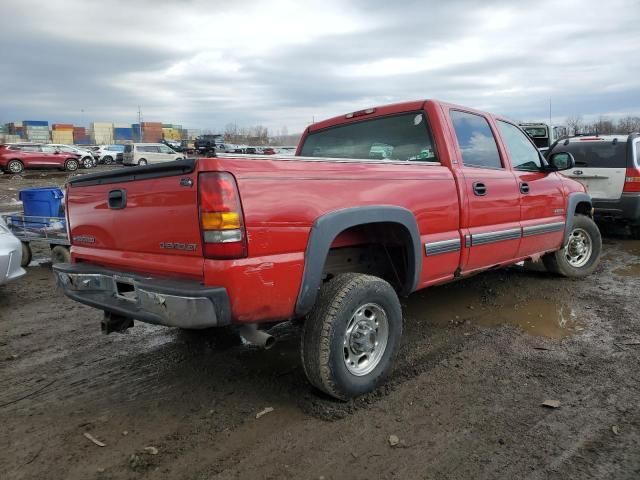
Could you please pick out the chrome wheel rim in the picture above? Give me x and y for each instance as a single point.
(365, 339)
(72, 165)
(579, 248)
(15, 167)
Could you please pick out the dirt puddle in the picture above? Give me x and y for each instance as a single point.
(632, 270)
(443, 306)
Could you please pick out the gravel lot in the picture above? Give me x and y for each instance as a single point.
(479, 358)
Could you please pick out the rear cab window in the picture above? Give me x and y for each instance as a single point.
(404, 137)
(477, 144)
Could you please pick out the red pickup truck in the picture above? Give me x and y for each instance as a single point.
(377, 203)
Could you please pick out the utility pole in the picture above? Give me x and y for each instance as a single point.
(140, 139)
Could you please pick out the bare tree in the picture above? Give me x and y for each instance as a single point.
(574, 124)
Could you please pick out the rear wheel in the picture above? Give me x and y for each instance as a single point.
(107, 160)
(581, 254)
(15, 166)
(142, 161)
(350, 339)
(71, 165)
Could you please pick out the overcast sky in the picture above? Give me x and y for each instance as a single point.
(281, 63)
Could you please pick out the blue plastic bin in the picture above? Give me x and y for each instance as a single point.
(42, 202)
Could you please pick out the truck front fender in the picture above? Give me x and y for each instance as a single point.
(327, 227)
(573, 202)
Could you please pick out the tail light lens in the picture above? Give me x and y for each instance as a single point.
(221, 221)
(632, 180)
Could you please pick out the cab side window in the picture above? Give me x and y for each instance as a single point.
(524, 156)
(476, 141)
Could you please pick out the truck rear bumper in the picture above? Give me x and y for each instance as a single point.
(173, 303)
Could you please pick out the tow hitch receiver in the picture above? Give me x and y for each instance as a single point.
(112, 322)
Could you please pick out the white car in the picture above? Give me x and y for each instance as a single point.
(10, 255)
(108, 154)
(86, 158)
(147, 153)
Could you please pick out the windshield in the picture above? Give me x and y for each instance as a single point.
(403, 137)
(534, 132)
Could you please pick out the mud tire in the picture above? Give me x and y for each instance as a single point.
(323, 336)
(557, 262)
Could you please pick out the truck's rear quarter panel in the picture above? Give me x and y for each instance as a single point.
(281, 199)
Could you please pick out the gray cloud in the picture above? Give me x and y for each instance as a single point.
(204, 64)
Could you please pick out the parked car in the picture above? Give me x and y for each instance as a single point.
(268, 151)
(333, 236)
(544, 135)
(15, 158)
(174, 145)
(209, 143)
(146, 153)
(609, 168)
(108, 154)
(87, 160)
(10, 255)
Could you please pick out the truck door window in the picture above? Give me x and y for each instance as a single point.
(476, 141)
(523, 155)
(404, 137)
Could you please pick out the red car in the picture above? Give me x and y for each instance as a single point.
(268, 151)
(15, 158)
(378, 204)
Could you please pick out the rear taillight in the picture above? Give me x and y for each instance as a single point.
(223, 234)
(632, 180)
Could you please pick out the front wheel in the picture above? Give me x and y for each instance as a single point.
(142, 161)
(107, 160)
(350, 339)
(71, 165)
(87, 162)
(581, 254)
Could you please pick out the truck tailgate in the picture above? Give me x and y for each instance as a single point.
(138, 219)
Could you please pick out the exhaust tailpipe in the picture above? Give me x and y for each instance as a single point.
(256, 337)
(112, 322)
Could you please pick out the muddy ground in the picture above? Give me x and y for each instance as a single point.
(479, 358)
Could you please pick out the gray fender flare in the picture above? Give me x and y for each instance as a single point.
(572, 203)
(327, 227)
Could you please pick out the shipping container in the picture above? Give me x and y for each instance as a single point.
(35, 123)
(62, 126)
(123, 133)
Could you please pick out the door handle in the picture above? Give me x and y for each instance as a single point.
(117, 199)
(479, 189)
(524, 187)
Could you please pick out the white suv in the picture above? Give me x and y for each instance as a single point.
(609, 167)
(146, 153)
